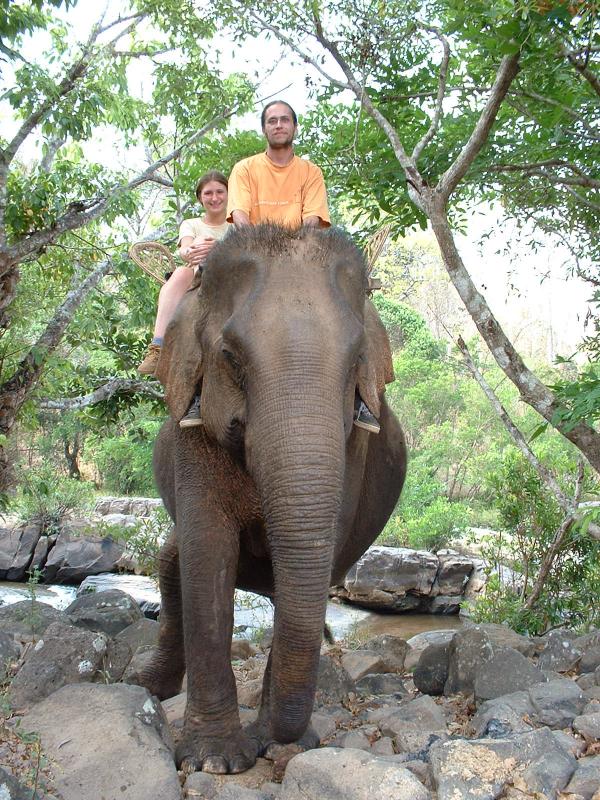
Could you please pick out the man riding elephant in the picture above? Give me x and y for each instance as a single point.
(277, 186)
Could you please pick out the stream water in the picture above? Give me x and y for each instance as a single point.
(251, 612)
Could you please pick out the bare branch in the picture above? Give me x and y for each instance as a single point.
(437, 114)
(302, 53)
(504, 77)
(52, 149)
(566, 109)
(556, 544)
(583, 200)
(112, 387)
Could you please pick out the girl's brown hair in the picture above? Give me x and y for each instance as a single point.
(212, 175)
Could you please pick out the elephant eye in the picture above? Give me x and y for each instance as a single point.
(238, 372)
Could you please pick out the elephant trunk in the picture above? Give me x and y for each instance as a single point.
(300, 447)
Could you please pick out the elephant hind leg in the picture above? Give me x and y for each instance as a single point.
(163, 675)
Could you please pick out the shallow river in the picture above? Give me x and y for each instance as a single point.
(251, 612)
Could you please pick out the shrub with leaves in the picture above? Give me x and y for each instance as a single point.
(49, 498)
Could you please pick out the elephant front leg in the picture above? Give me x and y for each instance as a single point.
(261, 730)
(212, 738)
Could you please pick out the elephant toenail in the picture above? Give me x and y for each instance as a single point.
(215, 764)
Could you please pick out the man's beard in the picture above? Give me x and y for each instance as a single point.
(281, 144)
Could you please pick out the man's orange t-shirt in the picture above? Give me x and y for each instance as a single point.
(270, 193)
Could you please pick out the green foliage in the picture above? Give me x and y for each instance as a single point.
(48, 498)
(531, 518)
(144, 540)
(125, 461)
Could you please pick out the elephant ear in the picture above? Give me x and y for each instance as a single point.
(375, 367)
(179, 367)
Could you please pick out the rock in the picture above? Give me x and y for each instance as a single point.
(385, 683)
(109, 611)
(453, 573)
(242, 649)
(353, 739)
(28, 619)
(477, 580)
(417, 644)
(560, 652)
(383, 746)
(140, 659)
(65, 655)
(505, 672)
(339, 774)
(483, 768)
(503, 716)
(137, 506)
(106, 741)
(443, 604)
(396, 578)
(333, 683)
(414, 725)
(586, 681)
(74, 558)
(249, 692)
(586, 779)
(588, 640)
(201, 785)
(234, 792)
(117, 659)
(359, 663)
(557, 703)
(17, 546)
(9, 652)
(588, 725)
(431, 673)
(142, 633)
(11, 789)
(469, 650)
(590, 659)
(392, 650)
(422, 770)
(501, 636)
(593, 693)
(323, 725)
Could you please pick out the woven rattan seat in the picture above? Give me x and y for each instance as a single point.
(154, 258)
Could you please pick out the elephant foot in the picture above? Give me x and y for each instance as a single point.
(275, 751)
(219, 755)
(163, 686)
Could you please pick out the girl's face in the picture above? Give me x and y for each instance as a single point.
(213, 197)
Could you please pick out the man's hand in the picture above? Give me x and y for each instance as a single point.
(311, 222)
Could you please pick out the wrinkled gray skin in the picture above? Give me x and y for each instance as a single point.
(278, 492)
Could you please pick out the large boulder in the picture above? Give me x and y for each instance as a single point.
(469, 649)
(74, 558)
(137, 506)
(106, 741)
(560, 652)
(421, 641)
(333, 683)
(484, 768)
(338, 774)
(453, 573)
(392, 650)
(65, 655)
(28, 619)
(504, 672)
(111, 611)
(17, 546)
(391, 577)
(431, 673)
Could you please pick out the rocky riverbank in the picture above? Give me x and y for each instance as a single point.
(390, 579)
(477, 713)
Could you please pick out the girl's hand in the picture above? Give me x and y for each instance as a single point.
(196, 254)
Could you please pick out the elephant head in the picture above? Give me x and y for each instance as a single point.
(282, 334)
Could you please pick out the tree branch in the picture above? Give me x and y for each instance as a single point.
(437, 115)
(585, 71)
(104, 392)
(454, 174)
(86, 211)
(568, 505)
(556, 544)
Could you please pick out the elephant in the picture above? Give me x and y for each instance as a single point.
(277, 492)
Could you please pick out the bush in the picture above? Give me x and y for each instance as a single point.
(48, 498)
(125, 462)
